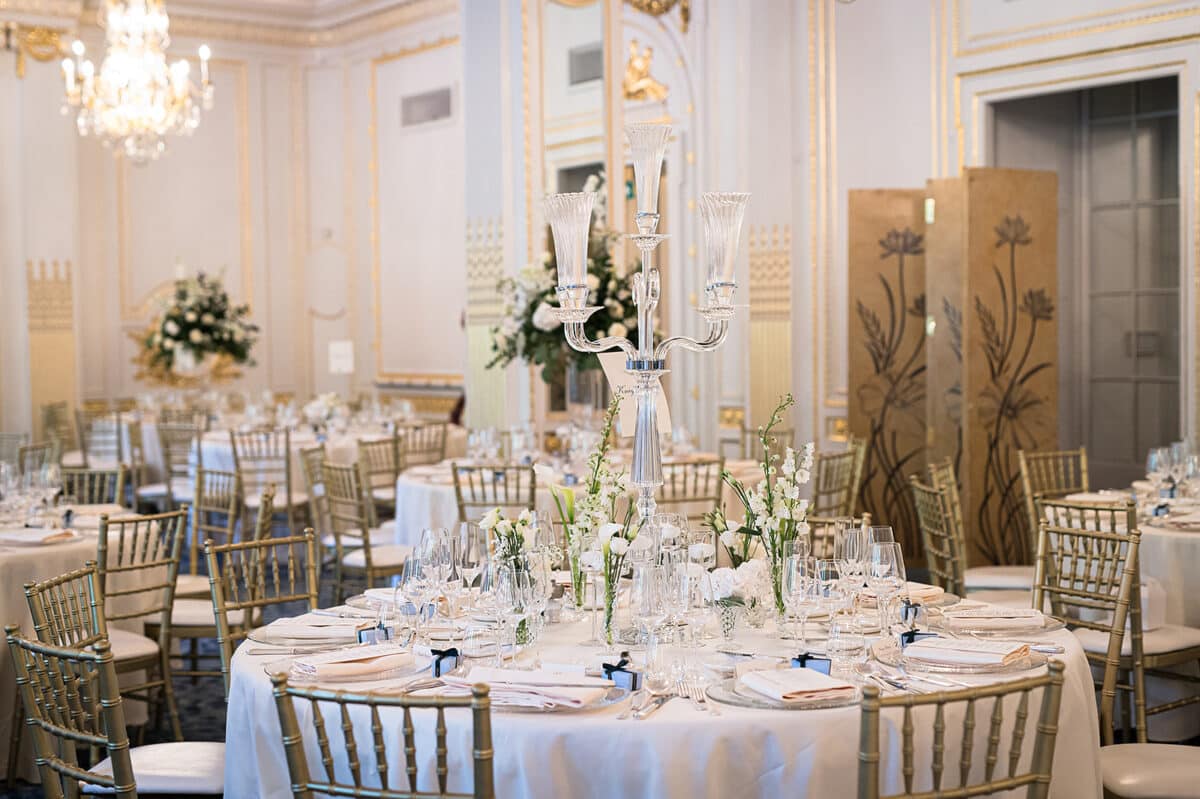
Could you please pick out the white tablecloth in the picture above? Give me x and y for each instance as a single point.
(1173, 558)
(425, 499)
(678, 752)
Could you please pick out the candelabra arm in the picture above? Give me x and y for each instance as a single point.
(717, 331)
(578, 340)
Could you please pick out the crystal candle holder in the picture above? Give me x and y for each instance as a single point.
(647, 147)
(722, 213)
(570, 218)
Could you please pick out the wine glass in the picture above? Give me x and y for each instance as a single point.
(886, 577)
(1157, 468)
(800, 593)
(831, 591)
(472, 551)
(678, 593)
(880, 535)
(648, 604)
(417, 588)
(541, 586)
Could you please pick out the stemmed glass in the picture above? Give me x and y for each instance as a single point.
(472, 551)
(880, 535)
(679, 584)
(850, 550)
(418, 587)
(648, 603)
(541, 586)
(886, 578)
(514, 602)
(591, 563)
(1157, 468)
(801, 592)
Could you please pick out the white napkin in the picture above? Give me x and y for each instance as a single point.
(917, 592)
(982, 616)
(373, 661)
(317, 627)
(796, 685)
(966, 652)
(540, 688)
(95, 510)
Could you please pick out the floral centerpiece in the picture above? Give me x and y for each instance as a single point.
(509, 540)
(746, 586)
(528, 330)
(730, 532)
(582, 516)
(324, 408)
(775, 513)
(199, 334)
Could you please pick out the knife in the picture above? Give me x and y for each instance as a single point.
(654, 705)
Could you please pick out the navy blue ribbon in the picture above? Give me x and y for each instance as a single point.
(441, 654)
(612, 668)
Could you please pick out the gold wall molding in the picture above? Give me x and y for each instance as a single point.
(1061, 35)
(659, 8)
(485, 267)
(50, 300)
(382, 375)
(770, 252)
(39, 43)
(138, 310)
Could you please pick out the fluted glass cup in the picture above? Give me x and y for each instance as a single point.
(570, 218)
(647, 146)
(722, 212)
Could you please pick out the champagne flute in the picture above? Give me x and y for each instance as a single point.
(472, 551)
(886, 578)
(800, 593)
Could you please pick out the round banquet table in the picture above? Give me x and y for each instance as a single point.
(425, 498)
(342, 449)
(20, 564)
(677, 752)
(1173, 557)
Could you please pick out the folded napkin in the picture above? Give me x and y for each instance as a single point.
(966, 652)
(1189, 523)
(981, 616)
(37, 536)
(316, 626)
(540, 688)
(916, 592)
(95, 510)
(370, 662)
(796, 685)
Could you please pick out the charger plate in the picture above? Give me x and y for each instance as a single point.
(732, 692)
(889, 654)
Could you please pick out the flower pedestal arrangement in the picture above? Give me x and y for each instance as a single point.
(199, 337)
(509, 540)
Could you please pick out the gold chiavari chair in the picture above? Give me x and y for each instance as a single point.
(73, 701)
(248, 576)
(339, 704)
(56, 426)
(358, 547)
(479, 488)
(380, 463)
(100, 438)
(973, 778)
(123, 404)
(193, 417)
(32, 457)
(751, 442)
(1158, 652)
(691, 488)
(421, 443)
(822, 532)
(214, 516)
(216, 511)
(264, 523)
(138, 559)
(1050, 475)
(263, 457)
(93, 486)
(180, 444)
(944, 556)
(311, 459)
(991, 578)
(835, 481)
(10, 444)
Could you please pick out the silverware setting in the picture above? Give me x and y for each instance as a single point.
(652, 706)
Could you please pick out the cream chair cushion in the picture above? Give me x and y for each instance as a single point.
(384, 494)
(192, 585)
(1006, 577)
(253, 500)
(181, 490)
(389, 555)
(380, 536)
(1168, 638)
(128, 645)
(1005, 599)
(199, 613)
(186, 767)
(1151, 771)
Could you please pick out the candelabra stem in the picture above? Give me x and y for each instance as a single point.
(646, 473)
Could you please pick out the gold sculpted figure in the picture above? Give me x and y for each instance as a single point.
(639, 85)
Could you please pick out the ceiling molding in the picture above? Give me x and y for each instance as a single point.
(312, 23)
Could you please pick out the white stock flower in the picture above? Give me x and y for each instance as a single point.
(803, 475)
(544, 318)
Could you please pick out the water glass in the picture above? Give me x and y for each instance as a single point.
(880, 535)
(472, 551)
(801, 593)
(886, 578)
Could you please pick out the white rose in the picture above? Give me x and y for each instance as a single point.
(195, 336)
(729, 538)
(544, 318)
(618, 546)
(525, 517)
(208, 319)
(617, 329)
(593, 282)
(168, 344)
(171, 328)
(190, 316)
(720, 584)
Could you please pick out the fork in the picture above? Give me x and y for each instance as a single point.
(697, 694)
(683, 687)
(636, 703)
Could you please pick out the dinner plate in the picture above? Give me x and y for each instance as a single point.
(615, 695)
(1047, 624)
(889, 654)
(732, 692)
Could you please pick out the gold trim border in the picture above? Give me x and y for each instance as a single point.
(377, 257)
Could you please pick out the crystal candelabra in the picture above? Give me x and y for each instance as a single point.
(569, 216)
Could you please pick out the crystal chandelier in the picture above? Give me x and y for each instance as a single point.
(137, 98)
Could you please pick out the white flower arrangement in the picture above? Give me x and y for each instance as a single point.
(324, 408)
(512, 538)
(748, 584)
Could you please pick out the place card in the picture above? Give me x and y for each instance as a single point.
(621, 381)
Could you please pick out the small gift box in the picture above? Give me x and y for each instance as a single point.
(375, 635)
(812, 662)
(912, 636)
(445, 660)
(621, 675)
